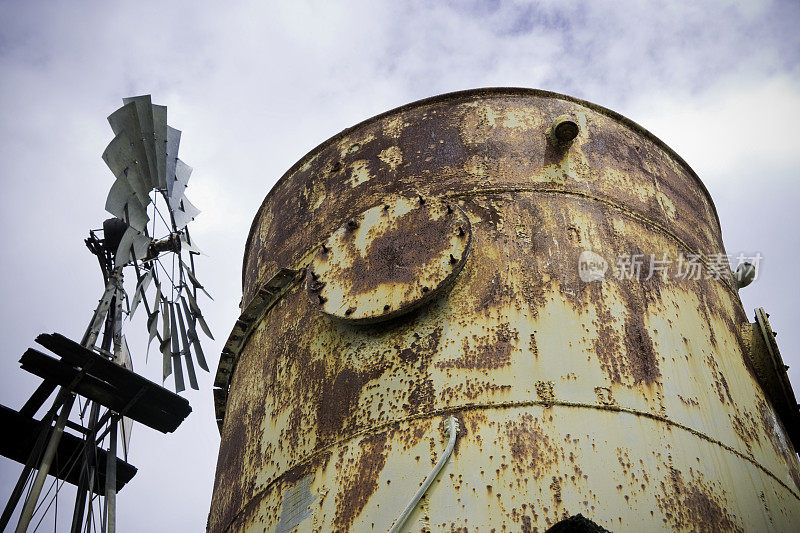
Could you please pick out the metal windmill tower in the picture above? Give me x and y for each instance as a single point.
(149, 238)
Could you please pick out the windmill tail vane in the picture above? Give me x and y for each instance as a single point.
(148, 236)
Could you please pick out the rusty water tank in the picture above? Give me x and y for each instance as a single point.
(467, 256)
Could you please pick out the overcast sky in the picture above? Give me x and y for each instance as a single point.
(254, 86)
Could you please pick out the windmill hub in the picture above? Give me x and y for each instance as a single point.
(170, 243)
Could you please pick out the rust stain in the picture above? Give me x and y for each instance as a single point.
(486, 352)
(642, 361)
(397, 254)
(696, 505)
(545, 391)
(359, 481)
(532, 450)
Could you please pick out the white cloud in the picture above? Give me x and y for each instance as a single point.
(730, 125)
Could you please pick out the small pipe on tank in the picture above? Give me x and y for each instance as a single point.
(451, 432)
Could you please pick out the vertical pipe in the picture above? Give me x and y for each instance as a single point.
(111, 477)
(44, 467)
(452, 432)
(89, 468)
(80, 500)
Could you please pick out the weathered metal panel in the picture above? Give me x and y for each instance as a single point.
(629, 401)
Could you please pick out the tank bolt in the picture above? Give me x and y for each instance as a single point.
(321, 299)
(349, 311)
(352, 224)
(387, 307)
(425, 289)
(386, 207)
(562, 131)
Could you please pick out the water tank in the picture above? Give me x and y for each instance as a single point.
(536, 270)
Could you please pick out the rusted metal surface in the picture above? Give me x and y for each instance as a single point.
(631, 402)
(389, 260)
(268, 295)
(770, 370)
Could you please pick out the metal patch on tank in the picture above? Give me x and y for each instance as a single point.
(389, 260)
(296, 505)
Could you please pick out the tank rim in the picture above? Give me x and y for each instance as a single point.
(491, 92)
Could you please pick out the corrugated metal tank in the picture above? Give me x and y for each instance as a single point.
(634, 402)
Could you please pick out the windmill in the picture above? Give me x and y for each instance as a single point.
(148, 237)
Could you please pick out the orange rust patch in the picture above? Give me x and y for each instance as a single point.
(359, 479)
(696, 505)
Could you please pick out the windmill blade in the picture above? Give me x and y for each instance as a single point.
(184, 212)
(144, 112)
(180, 386)
(182, 328)
(202, 321)
(152, 319)
(197, 315)
(136, 216)
(123, 254)
(190, 371)
(176, 351)
(174, 330)
(189, 246)
(126, 208)
(118, 197)
(141, 243)
(182, 174)
(191, 333)
(121, 158)
(167, 365)
(160, 142)
(141, 288)
(165, 341)
(152, 327)
(173, 143)
(187, 355)
(126, 119)
(193, 278)
(133, 245)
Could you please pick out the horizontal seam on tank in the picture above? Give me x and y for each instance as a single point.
(306, 258)
(382, 427)
(619, 207)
